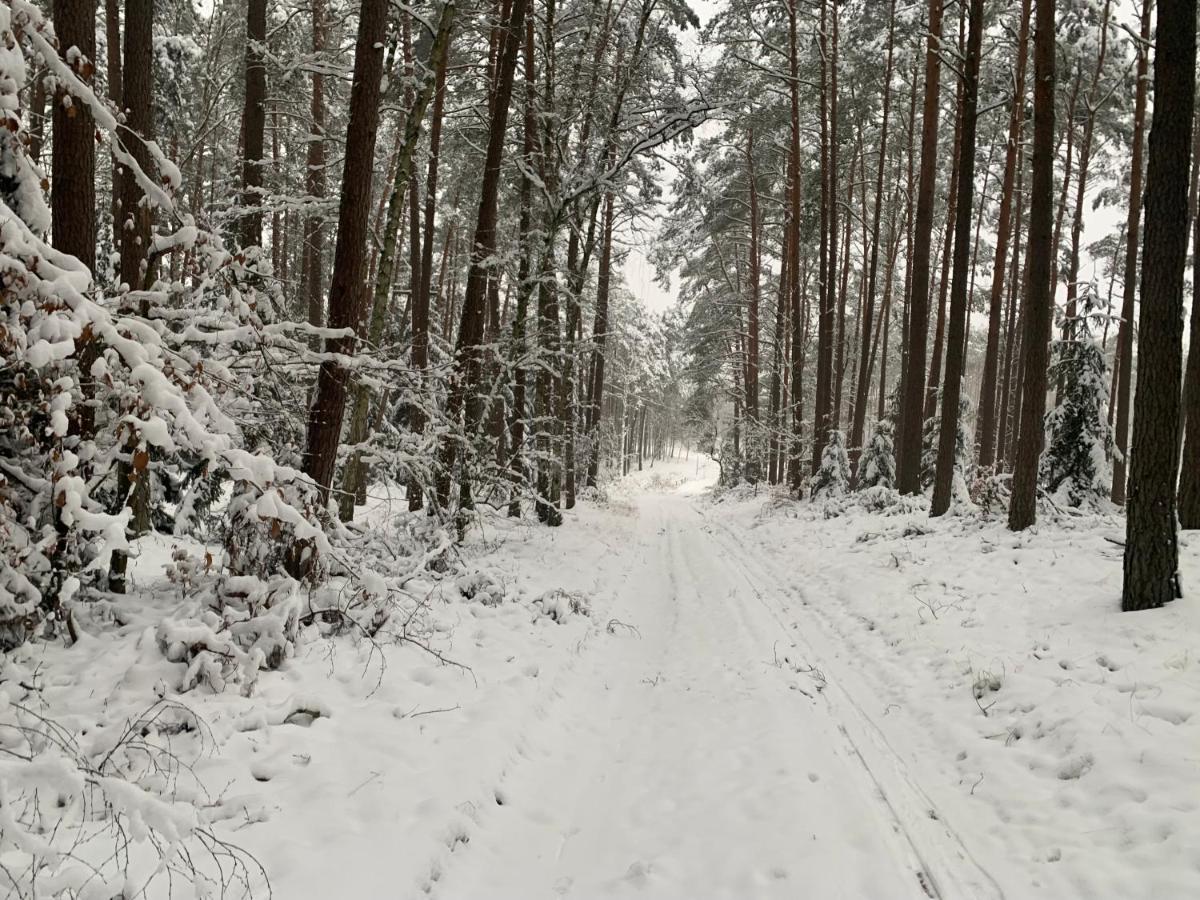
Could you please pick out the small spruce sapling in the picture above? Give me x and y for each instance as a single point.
(833, 477)
(877, 465)
(962, 445)
(1076, 468)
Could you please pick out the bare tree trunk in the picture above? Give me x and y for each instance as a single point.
(254, 122)
(1039, 298)
(73, 207)
(422, 300)
(1012, 332)
(793, 241)
(985, 437)
(1085, 155)
(865, 359)
(468, 357)
(136, 222)
(112, 35)
(823, 409)
(939, 329)
(909, 234)
(755, 267)
(73, 163)
(311, 277)
(1068, 167)
(908, 456)
(600, 340)
(1129, 290)
(943, 485)
(399, 199)
(347, 292)
(1189, 482)
(1151, 538)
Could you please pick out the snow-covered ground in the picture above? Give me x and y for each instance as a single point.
(999, 689)
(676, 695)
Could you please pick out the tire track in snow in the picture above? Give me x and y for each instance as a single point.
(952, 870)
(681, 767)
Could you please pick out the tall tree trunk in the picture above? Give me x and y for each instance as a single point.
(112, 40)
(1085, 156)
(73, 163)
(1039, 296)
(943, 485)
(1129, 289)
(399, 199)
(1011, 329)
(754, 264)
(910, 182)
(865, 359)
(278, 250)
(1068, 168)
(311, 277)
(793, 249)
(73, 207)
(985, 437)
(823, 409)
(422, 300)
(774, 472)
(1189, 482)
(600, 340)
(468, 357)
(254, 122)
(939, 328)
(347, 291)
(1151, 540)
(136, 222)
(137, 95)
(524, 277)
(908, 456)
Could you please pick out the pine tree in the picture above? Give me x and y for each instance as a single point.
(833, 475)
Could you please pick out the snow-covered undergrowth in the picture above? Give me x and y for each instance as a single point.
(352, 766)
(1058, 736)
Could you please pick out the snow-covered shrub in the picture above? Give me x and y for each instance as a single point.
(888, 501)
(480, 587)
(99, 406)
(275, 523)
(1076, 466)
(990, 490)
(833, 476)
(878, 498)
(123, 818)
(731, 462)
(877, 464)
(560, 605)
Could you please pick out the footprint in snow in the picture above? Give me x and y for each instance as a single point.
(639, 871)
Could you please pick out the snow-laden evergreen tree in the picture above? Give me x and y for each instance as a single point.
(929, 437)
(962, 445)
(877, 465)
(833, 477)
(1076, 467)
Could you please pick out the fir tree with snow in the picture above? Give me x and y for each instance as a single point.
(962, 446)
(877, 465)
(1076, 467)
(833, 477)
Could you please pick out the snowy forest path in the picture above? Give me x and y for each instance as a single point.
(697, 756)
